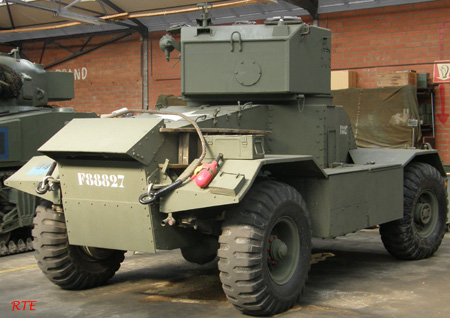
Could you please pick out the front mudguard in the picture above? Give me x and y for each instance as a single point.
(27, 179)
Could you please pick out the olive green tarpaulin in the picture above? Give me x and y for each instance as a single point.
(382, 117)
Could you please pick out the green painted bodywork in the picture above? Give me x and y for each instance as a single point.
(271, 85)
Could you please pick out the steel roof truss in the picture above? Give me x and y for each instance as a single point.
(82, 51)
(10, 14)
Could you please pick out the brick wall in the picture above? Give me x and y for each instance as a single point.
(110, 77)
(5, 49)
(106, 79)
(368, 41)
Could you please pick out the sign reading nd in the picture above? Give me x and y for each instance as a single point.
(441, 73)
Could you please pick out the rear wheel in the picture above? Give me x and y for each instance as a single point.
(70, 266)
(265, 250)
(419, 233)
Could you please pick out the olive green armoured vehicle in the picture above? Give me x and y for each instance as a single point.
(256, 164)
(26, 122)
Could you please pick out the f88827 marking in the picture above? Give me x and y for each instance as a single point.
(101, 180)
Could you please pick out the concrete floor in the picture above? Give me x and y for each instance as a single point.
(353, 277)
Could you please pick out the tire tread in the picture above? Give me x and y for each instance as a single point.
(240, 250)
(58, 260)
(399, 237)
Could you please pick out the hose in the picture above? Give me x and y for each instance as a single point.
(148, 198)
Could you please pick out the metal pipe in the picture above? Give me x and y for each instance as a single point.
(144, 68)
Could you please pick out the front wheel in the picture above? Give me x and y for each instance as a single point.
(265, 250)
(419, 233)
(70, 266)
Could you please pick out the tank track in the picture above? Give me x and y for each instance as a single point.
(16, 246)
(14, 241)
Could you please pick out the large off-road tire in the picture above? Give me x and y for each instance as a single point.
(70, 266)
(419, 233)
(265, 250)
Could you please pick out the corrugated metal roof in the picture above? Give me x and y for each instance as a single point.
(22, 16)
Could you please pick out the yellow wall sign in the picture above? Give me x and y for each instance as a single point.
(441, 73)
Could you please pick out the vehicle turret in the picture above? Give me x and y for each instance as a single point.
(24, 84)
(248, 62)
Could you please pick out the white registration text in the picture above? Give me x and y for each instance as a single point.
(101, 180)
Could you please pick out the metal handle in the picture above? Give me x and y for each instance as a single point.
(232, 42)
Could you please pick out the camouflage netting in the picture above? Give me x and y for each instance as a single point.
(10, 82)
(170, 100)
(380, 116)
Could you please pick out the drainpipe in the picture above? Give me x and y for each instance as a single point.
(144, 67)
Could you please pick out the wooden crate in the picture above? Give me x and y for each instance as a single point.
(343, 79)
(398, 78)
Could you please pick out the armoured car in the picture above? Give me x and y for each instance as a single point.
(257, 163)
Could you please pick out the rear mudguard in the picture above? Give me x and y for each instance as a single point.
(364, 156)
(234, 178)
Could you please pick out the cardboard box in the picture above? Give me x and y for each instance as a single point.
(398, 78)
(343, 79)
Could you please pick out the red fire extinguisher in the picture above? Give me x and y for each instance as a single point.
(206, 172)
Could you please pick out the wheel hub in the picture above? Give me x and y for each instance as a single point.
(277, 249)
(283, 250)
(426, 213)
(423, 213)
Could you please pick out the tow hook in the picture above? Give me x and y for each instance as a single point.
(48, 181)
(149, 197)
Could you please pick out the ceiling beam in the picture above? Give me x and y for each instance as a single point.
(186, 9)
(312, 6)
(81, 9)
(127, 16)
(79, 53)
(10, 15)
(120, 10)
